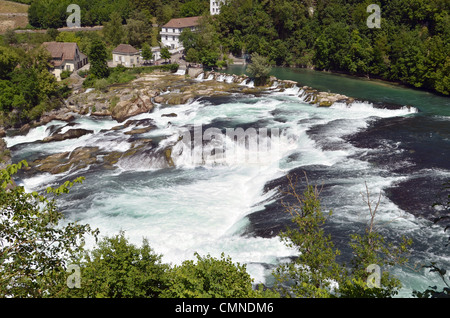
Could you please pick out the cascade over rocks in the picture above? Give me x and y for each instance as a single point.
(123, 101)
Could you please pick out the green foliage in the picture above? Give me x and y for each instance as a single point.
(147, 53)
(98, 58)
(36, 247)
(165, 54)
(52, 33)
(259, 69)
(410, 46)
(10, 37)
(316, 272)
(194, 8)
(113, 30)
(26, 90)
(315, 269)
(52, 13)
(203, 45)
(117, 269)
(9, 59)
(138, 29)
(65, 74)
(211, 278)
(68, 37)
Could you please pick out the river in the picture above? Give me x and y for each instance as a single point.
(235, 206)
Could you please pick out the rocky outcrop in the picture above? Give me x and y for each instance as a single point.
(129, 108)
(61, 162)
(70, 134)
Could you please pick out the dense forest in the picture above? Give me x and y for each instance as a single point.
(412, 45)
(52, 13)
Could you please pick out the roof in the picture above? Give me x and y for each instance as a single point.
(61, 50)
(182, 22)
(125, 49)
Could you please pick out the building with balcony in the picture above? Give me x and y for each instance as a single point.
(171, 31)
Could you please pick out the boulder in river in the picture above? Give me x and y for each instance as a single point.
(79, 158)
(127, 108)
(70, 134)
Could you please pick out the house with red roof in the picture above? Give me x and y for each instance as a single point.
(65, 56)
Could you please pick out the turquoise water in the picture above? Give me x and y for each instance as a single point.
(361, 88)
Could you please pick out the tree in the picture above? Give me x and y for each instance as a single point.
(35, 247)
(212, 278)
(8, 61)
(98, 59)
(165, 54)
(371, 249)
(316, 272)
(315, 269)
(52, 33)
(194, 8)
(10, 37)
(147, 53)
(138, 29)
(113, 30)
(137, 33)
(259, 69)
(117, 269)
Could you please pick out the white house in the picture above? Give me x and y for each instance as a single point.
(126, 55)
(171, 31)
(214, 6)
(65, 56)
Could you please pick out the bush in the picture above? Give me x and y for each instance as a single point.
(101, 84)
(89, 81)
(65, 74)
(118, 269)
(259, 69)
(212, 278)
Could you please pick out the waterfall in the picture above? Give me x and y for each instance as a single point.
(200, 77)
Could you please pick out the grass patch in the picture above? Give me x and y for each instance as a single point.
(12, 7)
(123, 75)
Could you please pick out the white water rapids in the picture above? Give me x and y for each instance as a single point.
(204, 207)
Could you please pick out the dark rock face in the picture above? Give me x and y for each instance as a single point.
(70, 134)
